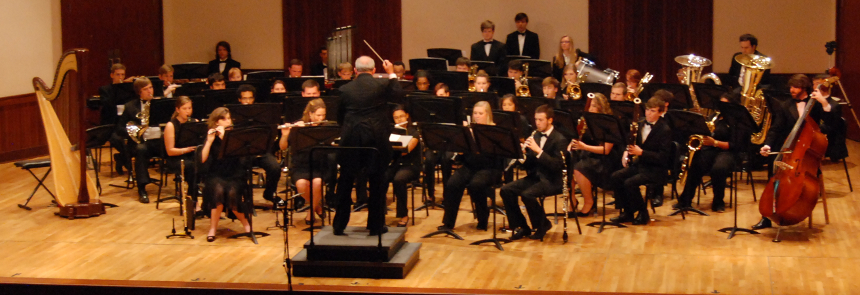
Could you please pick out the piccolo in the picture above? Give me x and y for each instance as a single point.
(213, 130)
(288, 125)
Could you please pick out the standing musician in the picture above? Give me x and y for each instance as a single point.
(563, 58)
(785, 117)
(653, 151)
(315, 111)
(522, 41)
(718, 157)
(225, 176)
(478, 174)
(266, 161)
(146, 148)
(223, 61)
(488, 49)
(165, 74)
(749, 45)
(181, 115)
(364, 119)
(618, 92)
(544, 166)
(596, 161)
(406, 165)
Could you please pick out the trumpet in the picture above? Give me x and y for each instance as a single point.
(288, 125)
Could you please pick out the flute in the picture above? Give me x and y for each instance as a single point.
(288, 125)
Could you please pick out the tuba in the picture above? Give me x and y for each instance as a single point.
(694, 144)
(752, 98)
(691, 72)
(136, 131)
(473, 75)
(641, 86)
(523, 90)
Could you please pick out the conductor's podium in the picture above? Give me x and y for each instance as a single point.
(357, 255)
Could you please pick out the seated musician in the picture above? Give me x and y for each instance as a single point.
(515, 70)
(834, 128)
(311, 88)
(319, 68)
(165, 74)
(295, 70)
(652, 149)
(632, 79)
(442, 90)
(786, 115)
(108, 97)
(618, 92)
(463, 64)
(223, 61)
(144, 150)
(399, 69)
(181, 115)
(344, 71)
(315, 111)
(567, 79)
(509, 103)
(563, 57)
(597, 161)
(279, 87)
(422, 81)
(482, 82)
(267, 161)
(544, 165)
(406, 165)
(225, 176)
(216, 82)
(550, 88)
(718, 157)
(235, 75)
(488, 49)
(478, 173)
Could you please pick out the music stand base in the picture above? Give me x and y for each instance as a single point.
(498, 209)
(498, 242)
(688, 209)
(732, 230)
(253, 235)
(603, 224)
(443, 231)
(430, 204)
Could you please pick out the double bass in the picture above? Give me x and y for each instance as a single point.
(793, 191)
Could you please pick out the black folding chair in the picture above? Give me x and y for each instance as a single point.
(34, 164)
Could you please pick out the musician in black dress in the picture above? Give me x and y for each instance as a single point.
(315, 111)
(407, 164)
(223, 61)
(718, 157)
(652, 150)
(596, 160)
(181, 115)
(225, 176)
(544, 165)
(478, 174)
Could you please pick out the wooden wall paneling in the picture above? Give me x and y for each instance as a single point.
(23, 135)
(848, 59)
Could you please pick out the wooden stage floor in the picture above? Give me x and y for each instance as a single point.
(127, 246)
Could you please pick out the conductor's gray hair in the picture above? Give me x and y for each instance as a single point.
(364, 64)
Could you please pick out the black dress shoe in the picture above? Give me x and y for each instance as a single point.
(624, 217)
(763, 223)
(642, 218)
(444, 227)
(520, 233)
(719, 206)
(118, 164)
(482, 226)
(541, 232)
(338, 232)
(377, 232)
(679, 206)
(657, 201)
(142, 196)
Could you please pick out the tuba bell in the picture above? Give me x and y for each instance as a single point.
(691, 72)
(752, 98)
(523, 89)
(473, 75)
(136, 131)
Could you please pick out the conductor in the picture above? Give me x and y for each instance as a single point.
(364, 122)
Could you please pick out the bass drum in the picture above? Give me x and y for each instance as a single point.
(590, 74)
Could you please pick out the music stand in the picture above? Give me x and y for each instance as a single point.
(454, 80)
(340, 83)
(157, 86)
(160, 111)
(623, 110)
(434, 109)
(449, 54)
(737, 117)
(449, 138)
(190, 89)
(499, 142)
(245, 142)
(683, 125)
(203, 106)
(483, 65)
(295, 84)
(304, 139)
(428, 64)
(565, 123)
(502, 85)
(709, 94)
(266, 114)
(601, 88)
(471, 98)
(222, 96)
(124, 92)
(191, 134)
(538, 67)
(528, 105)
(264, 75)
(681, 94)
(191, 70)
(509, 120)
(261, 88)
(604, 128)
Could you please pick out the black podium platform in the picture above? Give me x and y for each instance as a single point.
(357, 255)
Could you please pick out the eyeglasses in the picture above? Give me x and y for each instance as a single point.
(565, 41)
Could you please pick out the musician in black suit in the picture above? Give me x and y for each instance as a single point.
(786, 115)
(146, 148)
(522, 41)
(363, 117)
(834, 127)
(652, 150)
(319, 68)
(266, 161)
(223, 61)
(544, 165)
(748, 44)
(108, 95)
(488, 49)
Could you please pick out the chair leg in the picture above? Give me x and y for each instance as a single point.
(847, 177)
(824, 200)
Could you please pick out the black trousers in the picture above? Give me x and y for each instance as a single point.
(431, 158)
(399, 177)
(719, 164)
(142, 151)
(272, 167)
(479, 182)
(351, 164)
(626, 182)
(530, 188)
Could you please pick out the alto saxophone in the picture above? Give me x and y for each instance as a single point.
(136, 131)
(523, 90)
(694, 144)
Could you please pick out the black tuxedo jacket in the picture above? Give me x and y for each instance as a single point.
(108, 99)
(531, 46)
(318, 69)
(497, 55)
(656, 149)
(363, 112)
(786, 116)
(213, 67)
(550, 164)
(735, 72)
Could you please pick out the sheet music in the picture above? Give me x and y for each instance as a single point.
(402, 139)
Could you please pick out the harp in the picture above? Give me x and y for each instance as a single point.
(76, 193)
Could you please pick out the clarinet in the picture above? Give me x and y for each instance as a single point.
(634, 131)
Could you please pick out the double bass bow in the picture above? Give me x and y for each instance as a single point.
(793, 191)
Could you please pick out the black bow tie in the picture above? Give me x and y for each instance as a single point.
(522, 34)
(223, 61)
(796, 101)
(488, 42)
(539, 135)
(649, 123)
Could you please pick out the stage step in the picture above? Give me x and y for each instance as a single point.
(356, 245)
(397, 268)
